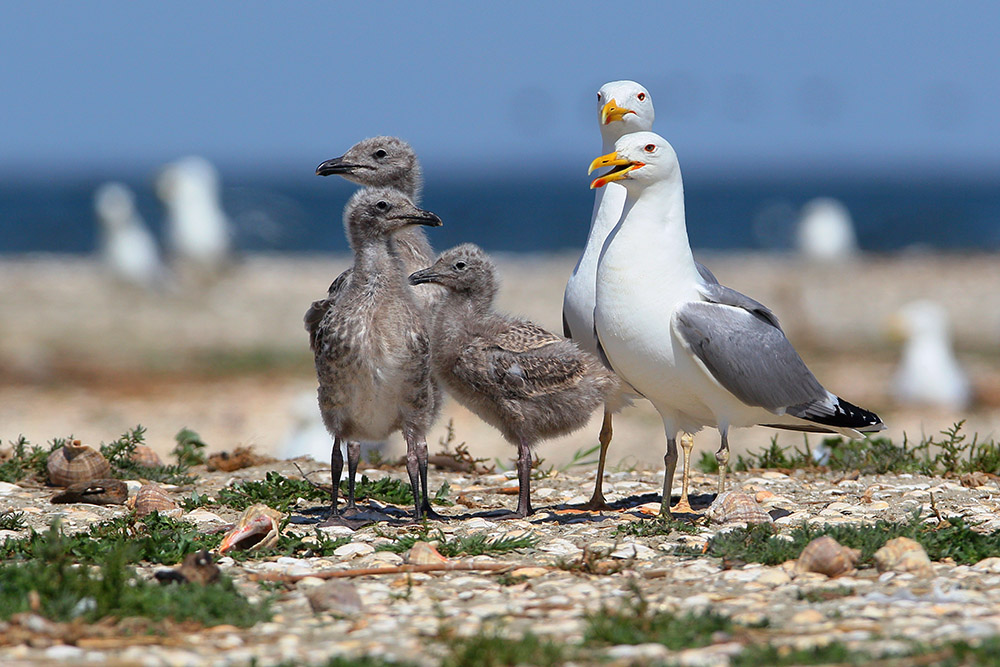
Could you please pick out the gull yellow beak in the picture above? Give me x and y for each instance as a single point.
(621, 168)
(611, 112)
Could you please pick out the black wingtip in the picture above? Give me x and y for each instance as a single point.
(848, 415)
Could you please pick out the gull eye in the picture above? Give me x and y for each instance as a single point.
(598, 97)
(380, 153)
(641, 96)
(382, 205)
(460, 265)
(649, 148)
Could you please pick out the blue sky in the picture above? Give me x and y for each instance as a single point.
(271, 86)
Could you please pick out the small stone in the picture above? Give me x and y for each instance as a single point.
(544, 493)
(529, 572)
(560, 547)
(991, 565)
(8, 535)
(773, 577)
(808, 617)
(764, 495)
(63, 653)
(202, 515)
(6, 488)
(339, 598)
(633, 550)
(479, 523)
(353, 550)
(639, 653)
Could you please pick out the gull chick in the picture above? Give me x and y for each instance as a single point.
(371, 345)
(703, 354)
(528, 383)
(387, 162)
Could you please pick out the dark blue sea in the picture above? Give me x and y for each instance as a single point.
(516, 214)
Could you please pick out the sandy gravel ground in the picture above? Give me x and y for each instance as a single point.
(80, 355)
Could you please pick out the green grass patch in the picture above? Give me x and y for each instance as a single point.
(190, 448)
(655, 526)
(470, 545)
(12, 520)
(281, 492)
(635, 623)
(65, 590)
(275, 490)
(950, 453)
(119, 454)
(494, 649)
(27, 460)
(952, 539)
(834, 653)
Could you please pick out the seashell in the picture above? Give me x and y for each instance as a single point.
(96, 492)
(146, 457)
(827, 556)
(424, 553)
(257, 528)
(151, 498)
(902, 554)
(737, 507)
(73, 463)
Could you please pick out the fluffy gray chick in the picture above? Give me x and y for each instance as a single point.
(371, 344)
(528, 383)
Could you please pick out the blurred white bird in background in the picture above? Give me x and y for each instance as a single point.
(928, 374)
(197, 230)
(127, 247)
(308, 435)
(825, 231)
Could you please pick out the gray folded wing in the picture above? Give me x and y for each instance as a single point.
(745, 350)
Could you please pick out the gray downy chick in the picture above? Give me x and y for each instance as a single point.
(378, 162)
(528, 383)
(371, 345)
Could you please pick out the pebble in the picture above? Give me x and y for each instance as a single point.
(6, 488)
(560, 547)
(633, 550)
(353, 550)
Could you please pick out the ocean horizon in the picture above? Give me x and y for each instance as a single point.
(529, 213)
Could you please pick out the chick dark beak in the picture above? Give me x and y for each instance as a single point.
(423, 276)
(335, 165)
(421, 217)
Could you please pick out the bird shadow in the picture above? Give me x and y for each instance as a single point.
(561, 514)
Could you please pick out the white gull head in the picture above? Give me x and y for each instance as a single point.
(623, 107)
(640, 159)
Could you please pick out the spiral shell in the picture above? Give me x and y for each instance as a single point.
(95, 492)
(827, 556)
(257, 528)
(151, 498)
(74, 463)
(146, 457)
(736, 507)
(904, 555)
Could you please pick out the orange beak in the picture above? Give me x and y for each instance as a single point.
(611, 112)
(621, 169)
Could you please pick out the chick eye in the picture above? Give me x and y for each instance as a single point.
(641, 96)
(380, 153)
(649, 148)
(460, 265)
(382, 205)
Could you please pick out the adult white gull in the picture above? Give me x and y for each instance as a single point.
(128, 248)
(928, 373)
(701, 353)
(622, 107)
(198, 231)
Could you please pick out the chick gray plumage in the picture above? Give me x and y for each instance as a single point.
(528, 383)
(377, 162)
(371, 344)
